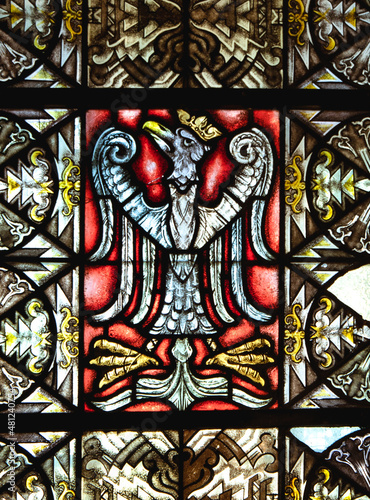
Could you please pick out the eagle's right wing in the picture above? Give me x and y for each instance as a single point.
(103, 161)
(114, 181)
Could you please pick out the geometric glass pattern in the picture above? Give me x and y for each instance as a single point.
(166, 465)
(328, 44)
(39, 234)
(327, 241)
(40, 465)
(185, 44)
(41, 43)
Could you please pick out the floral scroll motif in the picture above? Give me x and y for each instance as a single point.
(298, 18)
(296, 186)
(297, 334)
(67, 337)
(321, 332)
(28, 336)
(30, 185)
(70, 186)
(322, 186)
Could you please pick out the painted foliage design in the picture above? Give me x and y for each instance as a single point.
(41, 465)
(40, 43)
(178, 44)
(327, 241)
(226, 464)
(182, 287)
(328, 44)
(39, 237)
(331, 462)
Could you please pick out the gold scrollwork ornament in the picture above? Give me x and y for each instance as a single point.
(35, 489)
(298, 17)
(291, 490)
(297, 186)
(66, 337)
(35, 310)
(320, 490)
(73, 20)
(68, 185)
(297, 335)
(67, 493)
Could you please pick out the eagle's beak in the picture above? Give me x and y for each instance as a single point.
(161, 134)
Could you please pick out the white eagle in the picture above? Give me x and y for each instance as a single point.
(182, 228)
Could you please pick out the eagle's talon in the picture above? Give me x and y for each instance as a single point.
(240, 358)
(125, 362)
(114, 347)
(250, 346)
(252, 359)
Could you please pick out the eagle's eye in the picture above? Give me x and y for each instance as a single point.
(188, 142)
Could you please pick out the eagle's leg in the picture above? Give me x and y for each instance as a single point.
(182, 387)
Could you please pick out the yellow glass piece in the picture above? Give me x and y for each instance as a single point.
(297, 335)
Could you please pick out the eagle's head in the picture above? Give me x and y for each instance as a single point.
(185, 150)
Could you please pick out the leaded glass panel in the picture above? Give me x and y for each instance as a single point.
(171, 288)
(327, 243)
(185, 44)
(228, 463)
(329, 463)
(328, 44)
(40, 43)
(39, 228)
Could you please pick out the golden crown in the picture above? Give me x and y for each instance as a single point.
(199, 124)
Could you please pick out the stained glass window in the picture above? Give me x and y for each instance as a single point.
(184, 239)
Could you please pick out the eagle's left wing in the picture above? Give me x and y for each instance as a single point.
(253, 155)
